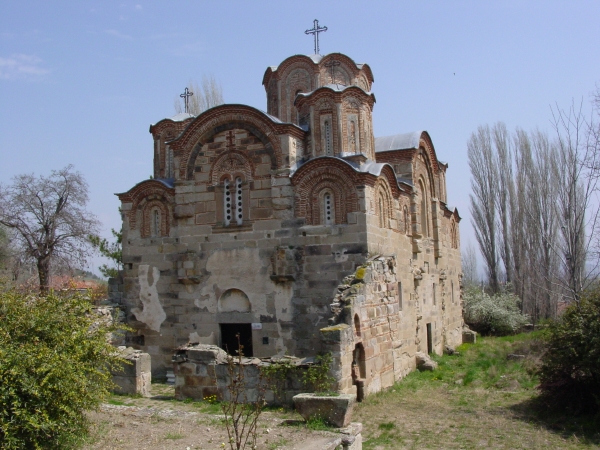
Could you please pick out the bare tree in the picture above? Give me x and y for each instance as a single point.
(484, 183)
(469, 265)
(504, 187)
(205, 96)
(578, 168)
(49, 219)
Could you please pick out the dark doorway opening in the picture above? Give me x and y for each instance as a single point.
(229, 342)
(429, 339)
(359, 371)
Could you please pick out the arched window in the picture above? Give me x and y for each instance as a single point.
(453, 235)
(227, 202)
(382, 221)
(327, 208)
(232, 202)
(423, 207)
(238, 201)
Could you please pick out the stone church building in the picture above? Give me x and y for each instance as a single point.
(296, 228)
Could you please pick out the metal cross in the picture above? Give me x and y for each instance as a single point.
(332, 65)
(316, 30)
(185, 96)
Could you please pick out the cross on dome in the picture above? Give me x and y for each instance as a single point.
(185, 96)
(315, 30)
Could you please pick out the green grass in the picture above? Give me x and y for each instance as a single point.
(477, 399)
(281, 443)
(118, 401)
(317, 423)
(174, 436)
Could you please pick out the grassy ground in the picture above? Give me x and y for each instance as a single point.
(478, 399)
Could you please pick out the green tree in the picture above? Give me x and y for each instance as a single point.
(54, 366)
(111, 250)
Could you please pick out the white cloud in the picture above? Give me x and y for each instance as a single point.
(21, 66)
(118, 34)
(138, 7)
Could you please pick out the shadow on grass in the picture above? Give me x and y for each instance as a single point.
(584, 428)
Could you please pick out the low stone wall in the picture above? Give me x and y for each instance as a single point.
(134, 376)
(202, 371)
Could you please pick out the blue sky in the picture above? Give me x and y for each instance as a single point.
(81, 81)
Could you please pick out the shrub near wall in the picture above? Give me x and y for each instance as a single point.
(52, 354)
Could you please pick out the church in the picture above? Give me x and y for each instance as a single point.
(295, 228)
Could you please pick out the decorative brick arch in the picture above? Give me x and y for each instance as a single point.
(297, 78)
(140, 196)
(232, 163)
(320, 175)
(224, 118)
(384, 203)
(148, 206)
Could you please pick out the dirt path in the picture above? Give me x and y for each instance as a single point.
(161, 422)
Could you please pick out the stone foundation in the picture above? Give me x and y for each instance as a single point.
(202, 371)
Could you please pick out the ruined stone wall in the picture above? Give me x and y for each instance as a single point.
(203, 371)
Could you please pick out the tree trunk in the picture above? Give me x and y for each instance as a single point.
(43, 266)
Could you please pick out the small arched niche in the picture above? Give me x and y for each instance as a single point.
(356, 325)
(234, 300)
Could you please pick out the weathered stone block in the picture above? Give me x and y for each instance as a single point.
(335, 410)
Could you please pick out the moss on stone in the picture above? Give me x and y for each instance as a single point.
(360, 273)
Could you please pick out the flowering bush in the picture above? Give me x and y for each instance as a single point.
(493, 314)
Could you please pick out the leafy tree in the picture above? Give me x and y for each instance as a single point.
(54, 361)
(111, 250)
(49, 219)
(570, 372)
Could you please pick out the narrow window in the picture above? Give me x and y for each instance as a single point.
(452, 290)
(169, 162)
(406, 221)
(238, 199)
(327, 138)
(352, 137)
(424, 224)
(227, 203)
(155, 231)
(328, 209)
(356, 325)
(400, 295)
(434, 298)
